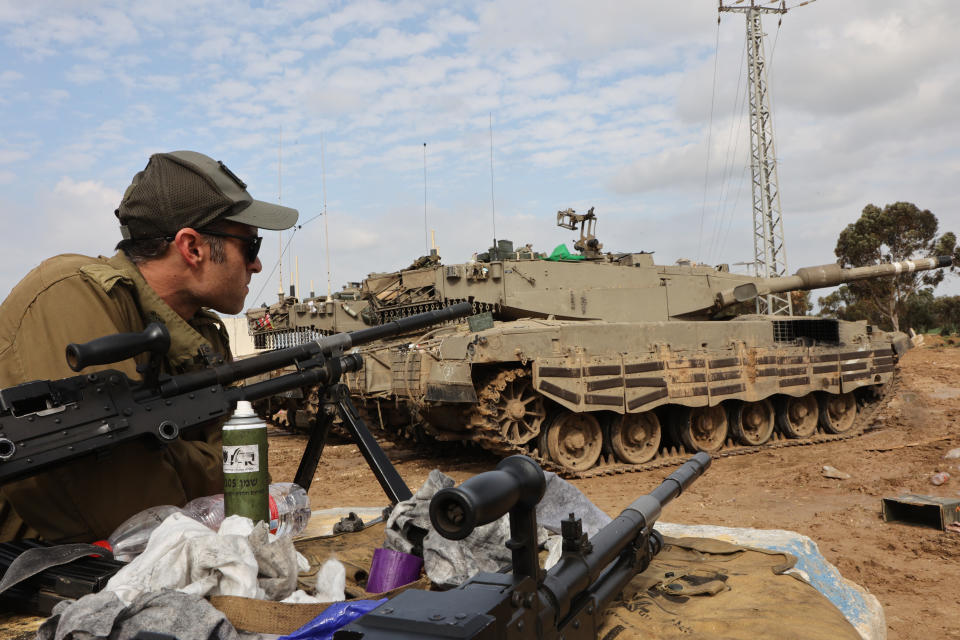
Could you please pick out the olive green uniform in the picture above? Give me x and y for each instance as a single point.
(74, 298)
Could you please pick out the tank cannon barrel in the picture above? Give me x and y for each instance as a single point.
(826, 275)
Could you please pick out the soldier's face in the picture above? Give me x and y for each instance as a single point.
(230, 279)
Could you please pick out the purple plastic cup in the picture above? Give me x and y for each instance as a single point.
(391, 569)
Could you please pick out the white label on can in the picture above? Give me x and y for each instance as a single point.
(241, 458)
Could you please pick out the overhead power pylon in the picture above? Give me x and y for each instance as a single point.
(769, 249)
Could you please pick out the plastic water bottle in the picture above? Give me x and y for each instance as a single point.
(289, 509)
(207, 510)
(131, 537)
(288, 505)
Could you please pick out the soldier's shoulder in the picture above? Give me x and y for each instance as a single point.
(65, 270)
(49, 273)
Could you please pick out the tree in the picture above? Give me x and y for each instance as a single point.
(948, 313)
(899, 231)
(800, 301)
(920, 311)
(844, 305)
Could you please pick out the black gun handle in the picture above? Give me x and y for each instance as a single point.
(108, 349)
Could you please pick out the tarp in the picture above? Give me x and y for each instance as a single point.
(860, 607)
(561, 252)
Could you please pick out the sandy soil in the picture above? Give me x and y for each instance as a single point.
(912, 570)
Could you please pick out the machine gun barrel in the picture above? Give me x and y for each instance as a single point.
(826, 275)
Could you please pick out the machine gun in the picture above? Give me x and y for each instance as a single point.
(47, 422)
(565, 602)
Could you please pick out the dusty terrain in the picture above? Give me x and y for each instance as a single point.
(913, 571)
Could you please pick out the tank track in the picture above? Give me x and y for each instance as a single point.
(488, 436)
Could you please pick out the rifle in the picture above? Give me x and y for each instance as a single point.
(565, 602)
(47, 422)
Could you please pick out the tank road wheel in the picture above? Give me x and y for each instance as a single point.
(752, 423)
(797, 417)
(573, 440)
(635, 437)
(703, 428)
(837, 411)
(520, 411)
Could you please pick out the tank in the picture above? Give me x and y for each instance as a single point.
(600, 362)
(291, 321)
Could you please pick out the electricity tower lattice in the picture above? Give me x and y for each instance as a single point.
(770, 254)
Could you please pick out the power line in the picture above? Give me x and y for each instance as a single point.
(706, 171)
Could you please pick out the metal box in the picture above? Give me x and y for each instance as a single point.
(927, 511)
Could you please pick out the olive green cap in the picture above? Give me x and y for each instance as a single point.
(188, 189)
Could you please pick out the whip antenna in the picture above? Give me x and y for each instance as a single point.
(280, 201)
(426, 236)
(493, 208)
(326, 227)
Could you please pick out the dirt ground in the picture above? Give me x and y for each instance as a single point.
(914, 571)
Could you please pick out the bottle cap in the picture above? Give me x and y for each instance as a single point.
(244, 417)
(244, 410)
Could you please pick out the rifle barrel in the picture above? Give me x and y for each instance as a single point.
(574, 573)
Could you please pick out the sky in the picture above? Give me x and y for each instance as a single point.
(386, 122)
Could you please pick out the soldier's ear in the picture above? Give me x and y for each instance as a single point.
(190, 245)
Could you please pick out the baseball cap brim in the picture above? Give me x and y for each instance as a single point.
(265, 215)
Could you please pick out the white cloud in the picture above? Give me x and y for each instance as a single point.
(214, 46)
(671, 168)
(8, 78)
(9, 156)
(42, 32)
(388, 44)
(232, 90)
(265, 65)
(74, 216)
(55, 96)
(158, 82)
(85, 74)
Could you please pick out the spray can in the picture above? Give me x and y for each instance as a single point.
(246, 483)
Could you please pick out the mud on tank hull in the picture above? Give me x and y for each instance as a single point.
(588, 396)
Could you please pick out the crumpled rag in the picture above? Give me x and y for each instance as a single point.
(238, 560)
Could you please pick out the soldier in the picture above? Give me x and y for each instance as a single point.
(189, 245)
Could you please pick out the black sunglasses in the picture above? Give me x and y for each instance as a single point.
(252, 242)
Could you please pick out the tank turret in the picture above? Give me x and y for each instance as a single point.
(590, 285)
